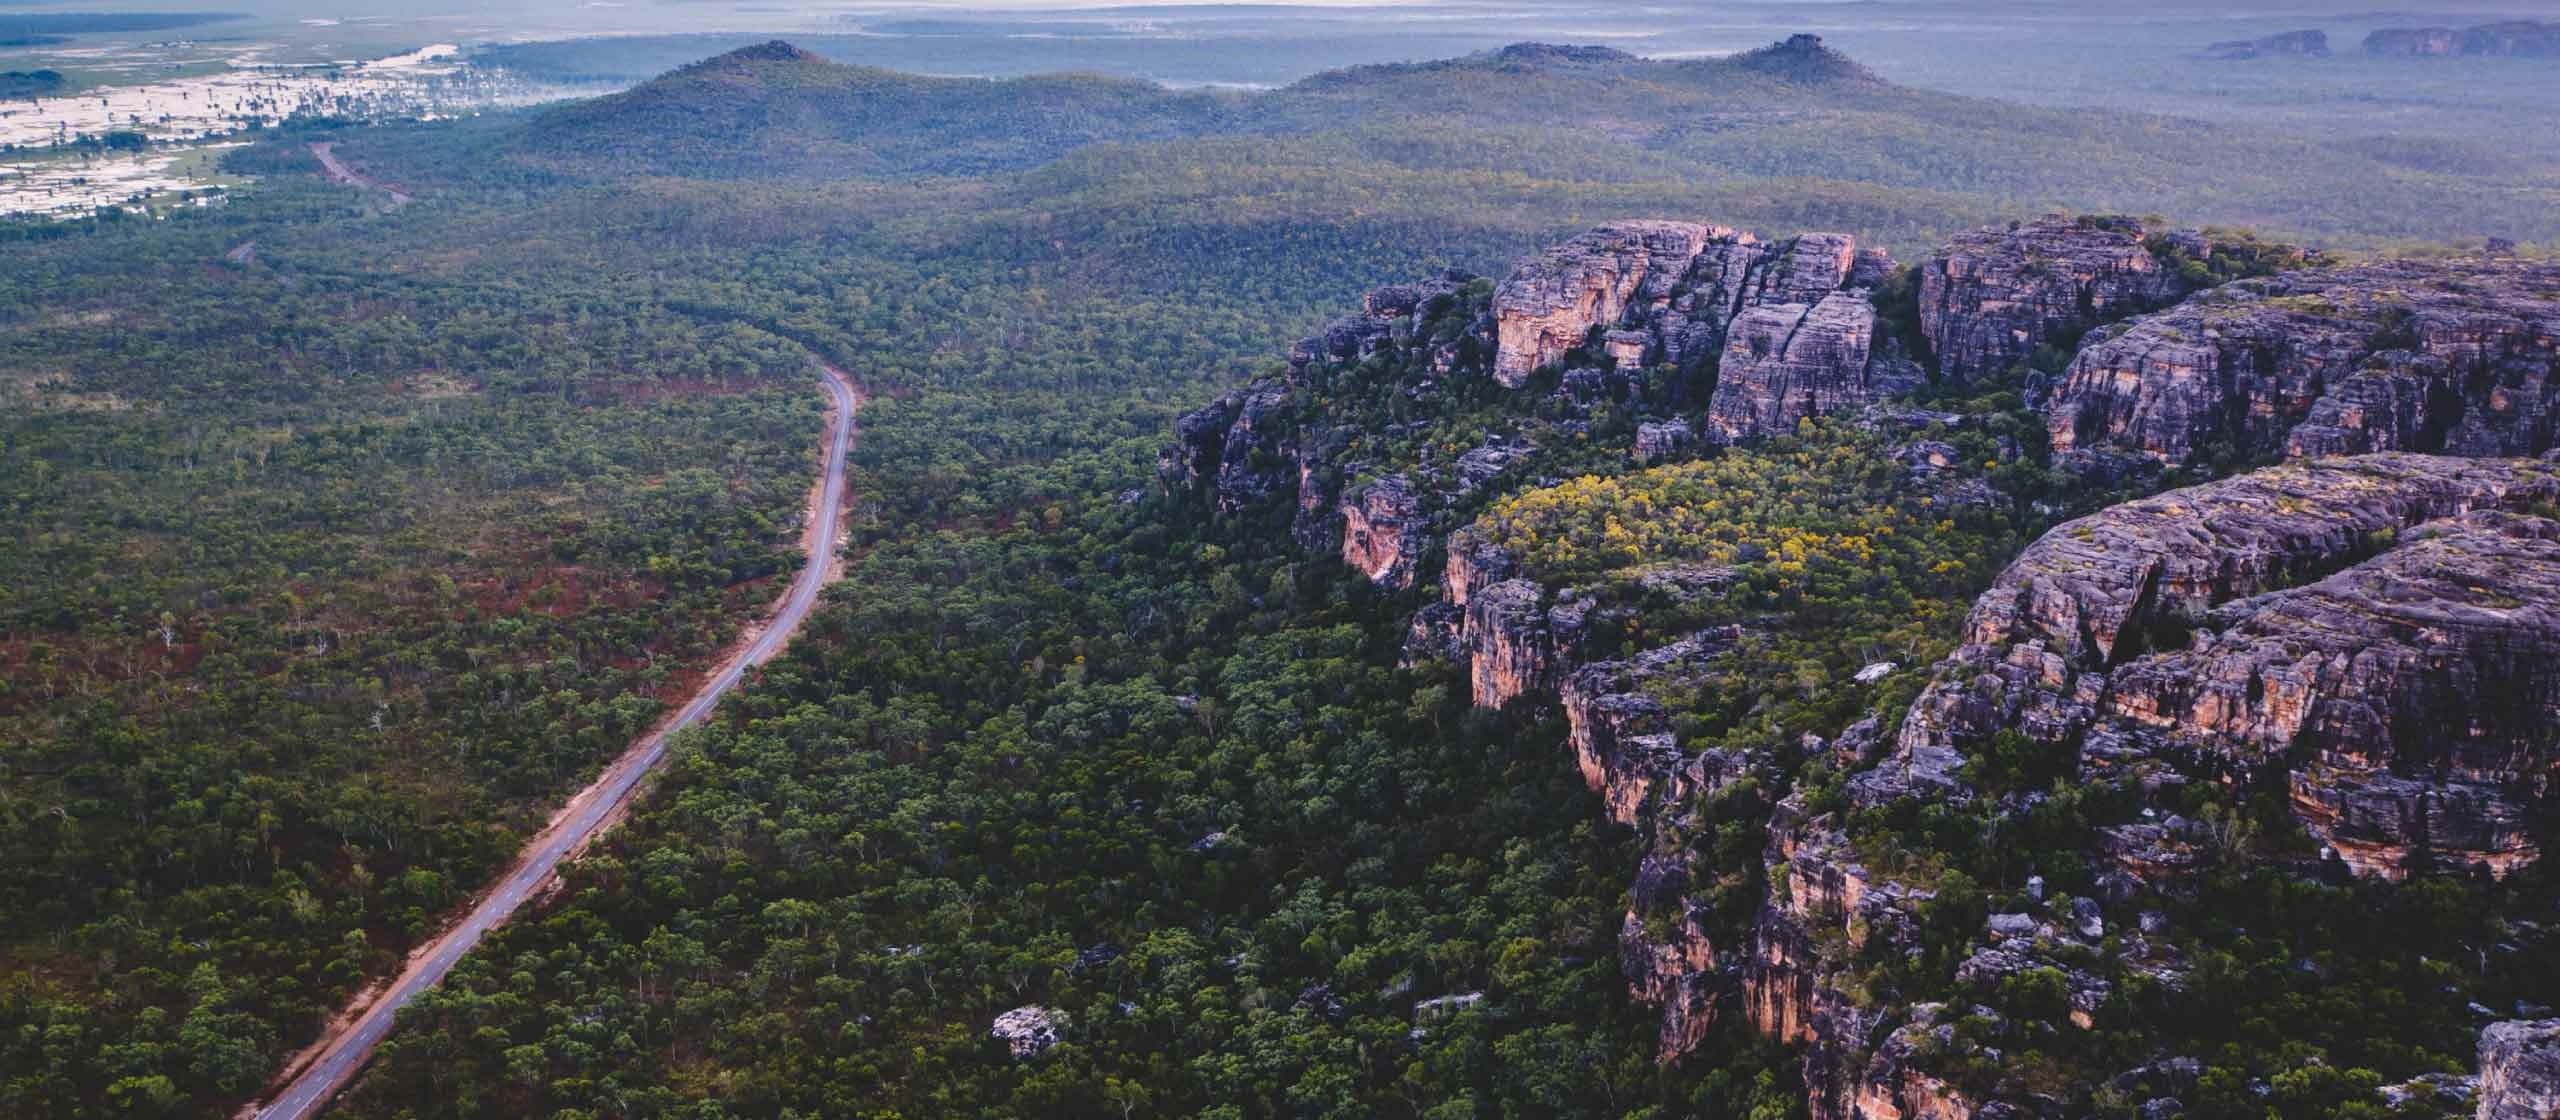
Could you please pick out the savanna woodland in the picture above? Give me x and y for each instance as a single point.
(348, 534)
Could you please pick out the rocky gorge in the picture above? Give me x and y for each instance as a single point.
(2358, 637)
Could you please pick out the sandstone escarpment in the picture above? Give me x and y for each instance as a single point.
(1784, 362)
(1991, 298)
(2417, 687)
(1552, 302)
(2373, 628)
(1622, 738)
(2450, 357)
(1268, 439)
(1791, 323)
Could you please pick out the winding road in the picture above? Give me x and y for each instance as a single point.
(344, 1050)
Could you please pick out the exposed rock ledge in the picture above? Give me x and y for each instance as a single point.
(1791, 324)
(1993, 297)
(2454, 357)
(2382, 626)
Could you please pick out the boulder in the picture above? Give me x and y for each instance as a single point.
(1028, 1031)
(2520, 1070)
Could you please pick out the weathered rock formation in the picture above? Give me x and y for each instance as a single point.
(2522, 38)
(1989, 299)
(2374, 630)
(1791, 322)
(2520, 1070)
(1383, 531)
(2414, 42)
(2452, 357)
(1784, 362)
(1621, 736)
(2290, 44)
(1027, 1031)
(1553, 301)
(1663, 439)
(2376, 638)
(1264, 440)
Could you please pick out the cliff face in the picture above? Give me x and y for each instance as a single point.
(1990, 298)
(2420, 686)
(1382, 531)
(1792, 322)
(2451, 357)
(1552, 302)
(1250, 446)
(1787, 361)
(2160, 634)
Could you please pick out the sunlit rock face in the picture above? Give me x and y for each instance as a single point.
(1790, 323)
(1382, 531)
(1551, 303)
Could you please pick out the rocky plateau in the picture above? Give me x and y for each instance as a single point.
(2370, 631)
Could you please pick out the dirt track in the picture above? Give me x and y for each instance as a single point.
(327, 1065)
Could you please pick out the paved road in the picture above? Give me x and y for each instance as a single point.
(586, 813)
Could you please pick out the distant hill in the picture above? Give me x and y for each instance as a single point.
(1792, 134)
(776, 111)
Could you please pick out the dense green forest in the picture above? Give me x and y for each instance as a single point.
(350, 536)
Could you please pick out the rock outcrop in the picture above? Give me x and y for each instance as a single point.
(2439, 356)
(2523, 38)
(1239, 446)
(1791, 322)
(1990, 299)
(2372, 640)
(1552, 303)
(2290, 44)
(1265, 440)
(1027, 1031)
(1383, 531)
(1621, 736)
(2520, 1070)
(2374, 630)
(2414, 42)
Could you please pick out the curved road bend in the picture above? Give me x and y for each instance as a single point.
(586, 813)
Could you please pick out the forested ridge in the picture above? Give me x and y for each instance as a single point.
(350, 537)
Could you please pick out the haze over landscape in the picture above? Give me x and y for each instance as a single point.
(1854, 560)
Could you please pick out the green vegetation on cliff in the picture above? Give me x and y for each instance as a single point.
(348, 538)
